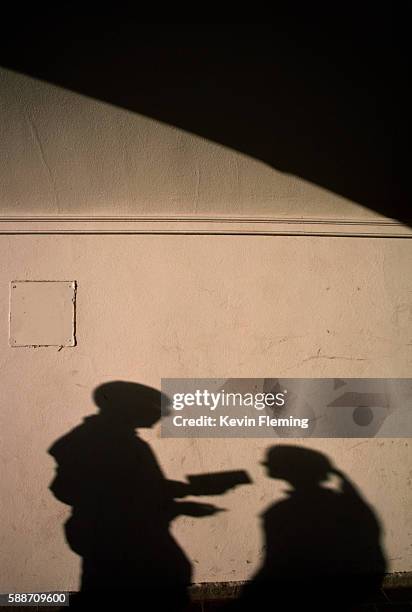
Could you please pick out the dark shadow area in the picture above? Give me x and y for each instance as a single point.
(122, 504)
(318, 93)
(322, 545)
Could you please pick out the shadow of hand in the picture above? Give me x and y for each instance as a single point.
(196, 509)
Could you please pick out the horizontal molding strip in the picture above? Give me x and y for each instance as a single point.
(254, 226)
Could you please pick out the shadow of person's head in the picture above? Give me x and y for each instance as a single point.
(130, 405)
(301, 467)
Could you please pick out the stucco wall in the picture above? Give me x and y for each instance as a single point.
(181, 306)
(163, 306)
(63, 153)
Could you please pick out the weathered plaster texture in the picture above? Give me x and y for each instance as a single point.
(182, 306)
(207, 306)
(63, 153)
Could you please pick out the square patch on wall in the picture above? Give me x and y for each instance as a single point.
(42, 313)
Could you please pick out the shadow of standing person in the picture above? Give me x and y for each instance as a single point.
(322, 545)
(122, 505)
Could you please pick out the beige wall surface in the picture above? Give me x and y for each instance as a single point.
(65, 154)
(197, 306)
